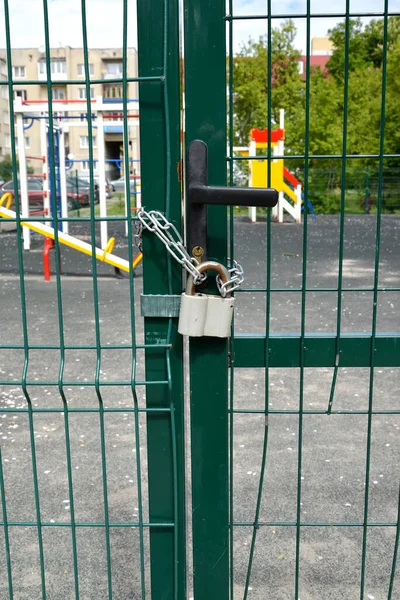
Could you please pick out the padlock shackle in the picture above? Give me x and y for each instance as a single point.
(210, 265)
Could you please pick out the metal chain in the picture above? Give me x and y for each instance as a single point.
(234, 282)
(166, 231)
(157, 223)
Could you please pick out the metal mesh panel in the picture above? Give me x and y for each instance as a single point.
(80, 501)
(276, 549)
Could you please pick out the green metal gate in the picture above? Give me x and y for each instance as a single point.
(221, 539)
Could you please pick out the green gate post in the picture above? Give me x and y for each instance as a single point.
(158, 42)
(205, 99)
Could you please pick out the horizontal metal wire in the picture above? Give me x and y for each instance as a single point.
(340, 15)
(312, 156)
(87, 524)
(81, 82)
(126, 409)
(255, 411)
(317, 290)
(83, 347)
(313, 524)
(83, 383)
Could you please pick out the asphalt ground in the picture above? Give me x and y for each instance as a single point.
(334, 447)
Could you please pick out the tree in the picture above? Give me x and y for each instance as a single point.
(358, 52)
(6, 168)
(250, 81)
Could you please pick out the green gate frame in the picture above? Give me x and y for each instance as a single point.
(211, 396)
(161, 190)
(211, 399)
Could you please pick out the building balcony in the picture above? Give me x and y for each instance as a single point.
(117, 75)
(56, 76)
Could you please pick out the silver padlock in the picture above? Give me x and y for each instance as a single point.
(202, 315)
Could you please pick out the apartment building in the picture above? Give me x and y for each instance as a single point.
(67, 64)
(321, 51)
(4, 112)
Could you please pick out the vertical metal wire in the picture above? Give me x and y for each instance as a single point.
(53, 190)
(168, 166)
(23, 303)
(232, 349)
(395, 553)
(5, 527)
(96, 300)
(303, 302)
(267, 309)
(342, 204)
(375, 297)
(131, 294)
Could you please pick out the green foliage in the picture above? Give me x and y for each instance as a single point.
(327, 109)
(6, 168)
(250, 81)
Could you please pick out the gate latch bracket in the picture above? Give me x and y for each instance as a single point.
(200, 194)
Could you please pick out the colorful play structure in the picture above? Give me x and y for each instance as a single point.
(29, 111)
(291, 198)
(104, 255)
(26, 113)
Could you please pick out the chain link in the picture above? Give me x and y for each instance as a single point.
(166, 231)
(158, 224)
(234, 282)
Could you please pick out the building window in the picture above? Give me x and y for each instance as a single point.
(4, 91)
(113, 91)
(85, 165)
(82, 93)
(85, 141)
(81, 70)
(27, 142)
(57, 67)
(6, 118)
(300, 66)
(19, 72)
(58, 93)
(20, 94)
(114, 68)
(7, 140)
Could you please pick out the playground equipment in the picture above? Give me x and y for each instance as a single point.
(38, 110)
(104, 255)
(291, 198)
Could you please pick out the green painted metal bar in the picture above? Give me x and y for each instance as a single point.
(119, 383)
(373, 362)
(320, 350)
(5, 524)
(303, 352)
(232, 342)
(59, 302)
(96, 301)
(167, 410)
(158, 40)
(23, 303)
(267, 312)
(144, 79)
(132, 297)
(342, 206)
(205, 65)
(315, 156)
(395, 552)
(136, 524)
(327, 15)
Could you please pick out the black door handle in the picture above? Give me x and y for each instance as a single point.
(200, 194)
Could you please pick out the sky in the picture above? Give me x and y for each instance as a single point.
(105, 18)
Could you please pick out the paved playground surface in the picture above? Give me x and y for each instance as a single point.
(334, 447)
